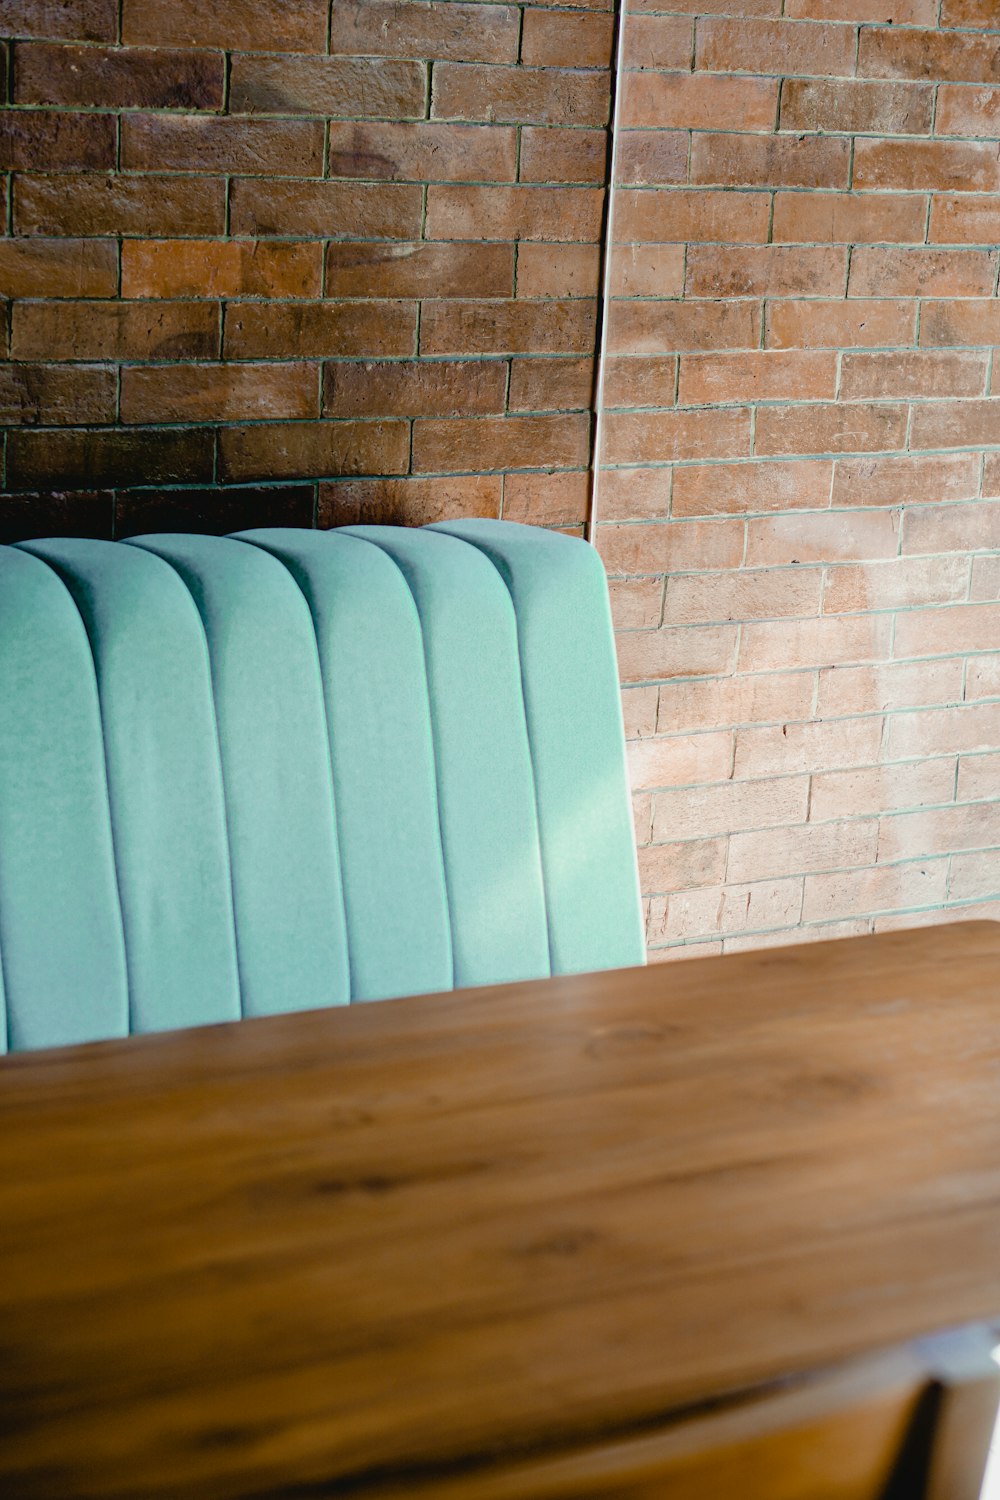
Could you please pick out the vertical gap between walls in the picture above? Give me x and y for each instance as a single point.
(605, 272)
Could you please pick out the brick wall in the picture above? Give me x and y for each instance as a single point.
(253, 250)
(801, 506)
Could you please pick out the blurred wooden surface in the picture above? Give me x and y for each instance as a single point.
(358, 1251)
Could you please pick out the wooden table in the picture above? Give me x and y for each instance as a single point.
(386, 1244)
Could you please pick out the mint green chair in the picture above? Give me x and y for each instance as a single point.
(287, 769)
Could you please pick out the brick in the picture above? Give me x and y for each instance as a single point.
(839, 325)
(639, 712)
(86, 20)
(729, 808)
(694, 101)
(781, 644)
(901, 12)
(213, 511)
(58, 268)
(408, 502)
(889, 888)
(807, 848)
(290, 148)
(319, 330)
(969, 13)
(737, 489)
(942, 632)
(760, 375)
(117, 77)
(486, 443)
(513, 213)
(293, 26)
(832, 536)
(877, 789)
(860, 690)
(893, 53)
(549, 154)
(423, 152)
(966, 166)
(714, 7)
(974, 875)
(973, 322)
(560, 39)
(766, 271)
(647, 270)
(774, 47)
(952, 528)
(419, 269)
(732, 701)
(680, 760)
(955, 424)
(659, 437)
(991, 474)
(977, 774)
(815, 932)
(985, 579)
(414, 388)
(116, 330)
(666, 217)
(339, 87)
(454, 32)
(900, 583)
(218, 268)
(547, 270)
(634, 494)
(851, 105)
(635, 602)
(760, 594)
(924, 372)
(98, 204)
(965, 111)
(674, 547)
(883, 271)
(650, 158)
(546, 499)
(901, 481)
(325, 209)
(963, 220)
(849, 218)
(830, 428)
(772, 161)
(483, 327)
(656, 42)
(682, 867)
(43, 140)
(99, 457)
(219, 392)
(56, 395)
(88, 513)
(631, 381)
(671, 327)
(733, 908)
(551, 384)
(514, 96)
(305, 450)
(975, 825)
(656, 655)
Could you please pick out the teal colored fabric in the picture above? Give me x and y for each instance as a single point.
(292, 768)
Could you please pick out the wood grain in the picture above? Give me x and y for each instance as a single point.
(395, 1242)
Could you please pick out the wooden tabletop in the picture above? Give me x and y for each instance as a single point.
(358, 1245)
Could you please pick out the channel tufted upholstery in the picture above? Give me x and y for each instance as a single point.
(287, 769)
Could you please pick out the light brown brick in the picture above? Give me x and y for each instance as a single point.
(671, 327)
(776, 645)
(924, 372)
(766, 271)
(217, 268)
(841, 324)
(849, 218)
(456, 32)
(680, 760)
(861, 690)
(529, 96)
(730, 808)
(955, 424)
(414, 388)
(691, 651)
(941, 632)
(635, 602)
(974, 826)
(551, 384)
(976, 321)
(884, 271)
(277, 450)
(831, 536)
(697, 101)
(419, 269)
(659, 437)
(963, 220)
(876, 789)
(759, 375)
(670, 546)
(513, 213)
(638, 494)
(99, 204)
(734, 908)
(560, 39)
(219, 393)
(317, 330)
(58, 268)
(758, 594)
(968, 13)
(736, 489)
(657, 41)
(952, 528)
(647, 270)
(964, 166)
(350, 88)
(901, 12)
(773, 697)
(770, 160)
(635, 380)
(850, 105)
(88, 20)
(423, 152)
(650, 158)
(200, 143)
(116, 330)
(549, 154)
(664, 217)
(775, 47)
(891, 52)
(830, 428)
(482, 327)
(773, 852)
(546, 270)
(965, 111)
(546, 499)
(487, 443)
(902, 481)
(919, 883)
(900, 583)
(682, 867)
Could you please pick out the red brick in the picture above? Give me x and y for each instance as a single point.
(58, 268)
(408, 502)
(560, 39)
(529, 96)
(56, 395)
(856, 105)
(339, 87)
(99, 204)
(101, 456)
(672, 217)
(656, 42)
(117, 77)
(487, 443)
(457, 32)
(633, 380)
(217, 268)
(88, 513)
(658, 437)
(419, 269)
(830, 428)
(963, 220)
(832, 536)
(116, 330)
(911, 373)
(547, 270)
(688, 651)
(848, 324)
(552, 155)
(219, 393)
(966, 166)
(771, 645)
(306, 450)
(649, 158)
(551, 384)
(647, 270)
(634, 494)
(969, 13)
(776, 47)
(414, 388)
(546, 499)
(738, 489)
(760, 375)
(682, 867)
(956, 424)
(423, 152)
(318, 330)
(849, 218)
(46, 140)
(876, 790)
(513, 213)
(965, 111)
(772, 161)
(671, 547)
(901, 481)
(714, 7)
(379, 210)
(86, 20)
(952, 528)
(884, 271)
(766, 271)
(291, 148)
(693, 101)
(669, 327)
(895, 53)
(902, 12)
(453, 327)
(898, 583)
(970, 322)
(293, 26)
